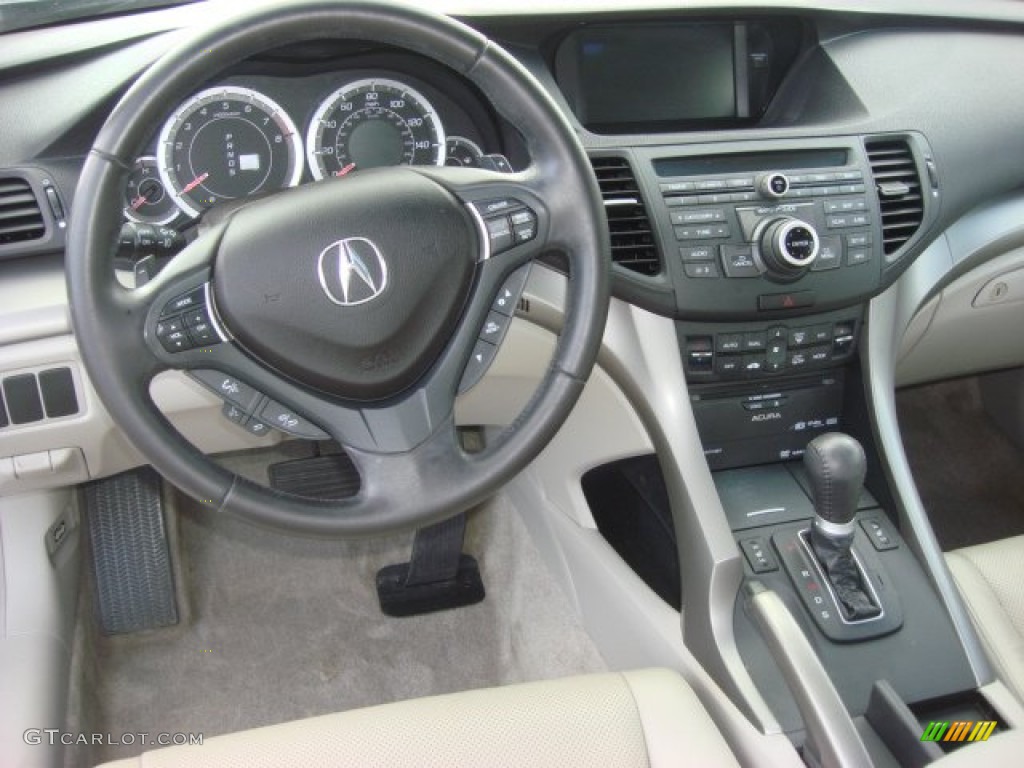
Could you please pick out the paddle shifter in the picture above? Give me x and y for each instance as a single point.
(835, 464)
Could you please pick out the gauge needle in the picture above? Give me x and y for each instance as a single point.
(195, 183)
(348, 168)
(139, 201)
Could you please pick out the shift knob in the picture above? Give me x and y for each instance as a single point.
(836, 465)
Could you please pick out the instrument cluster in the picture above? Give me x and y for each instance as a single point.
(260, 135)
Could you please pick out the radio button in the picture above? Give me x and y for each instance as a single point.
(701, 269)
(738, 261)
(696, 217)
(860, 220)
(835, 222)
(741, 182)
(773, 185)
(743, 197)
(848, 205)
(830, 190)
(714, 199)
(678, 186)
(702, 233)
(697, 253)
(858, 239)
(849, 176)
(851, 189)
(674, 202)
(830, 254)
(707, 185)
(855, 257)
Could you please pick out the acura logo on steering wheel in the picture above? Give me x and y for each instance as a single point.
(352, 271)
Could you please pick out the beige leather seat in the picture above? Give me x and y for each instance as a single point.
(991, 579)
(643, 718)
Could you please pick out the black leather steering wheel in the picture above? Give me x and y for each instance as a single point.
(381, 376)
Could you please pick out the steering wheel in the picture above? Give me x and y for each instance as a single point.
(379, 373)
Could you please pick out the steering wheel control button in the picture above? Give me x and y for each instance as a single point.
(495, 327)
(227, 387)
(194, 298)
(286, 420)
(257, 427)
(508, 223)
(524, 225)
(507, 300)
(499, 232)
(234, 414)
(483, 355)
(173, 341)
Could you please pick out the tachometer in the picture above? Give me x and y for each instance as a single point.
(371, 123)
(225, 143)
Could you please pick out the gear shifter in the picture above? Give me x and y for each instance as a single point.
(835, 464)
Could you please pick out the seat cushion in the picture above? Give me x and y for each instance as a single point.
(642, 718)
(990, 578)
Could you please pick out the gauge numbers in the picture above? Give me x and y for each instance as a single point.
(225, 143)
(373, 122)
(146, 199)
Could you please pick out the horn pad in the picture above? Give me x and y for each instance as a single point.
(352, 286)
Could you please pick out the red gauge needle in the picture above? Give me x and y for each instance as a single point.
(195, 183)
(138, 202)
(348, 168)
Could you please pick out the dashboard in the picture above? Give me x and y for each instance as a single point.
(765, 171)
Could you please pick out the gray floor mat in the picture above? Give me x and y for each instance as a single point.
(968, 473)
(283, 628)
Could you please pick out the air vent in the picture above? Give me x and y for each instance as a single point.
(632, 240)
(21, 219)
(899, 191)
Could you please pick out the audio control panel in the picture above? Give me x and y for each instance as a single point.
(767, 232)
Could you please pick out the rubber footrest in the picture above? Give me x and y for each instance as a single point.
(131, 557)
(322, 477)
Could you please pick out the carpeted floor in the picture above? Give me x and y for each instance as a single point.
(283, 628)
(970, 476)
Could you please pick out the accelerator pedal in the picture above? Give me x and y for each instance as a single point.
(131, 557)
(437, 577)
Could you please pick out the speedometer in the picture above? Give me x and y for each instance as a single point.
(371, 123)
(225, 143)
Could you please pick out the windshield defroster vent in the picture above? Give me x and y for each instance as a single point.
(898, 185)
(21, 219)
(632, 240)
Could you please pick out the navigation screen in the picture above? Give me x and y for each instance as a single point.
(669, 75)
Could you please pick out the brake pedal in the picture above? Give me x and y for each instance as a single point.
(131, 557)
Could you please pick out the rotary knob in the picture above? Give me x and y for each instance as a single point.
(788, 247)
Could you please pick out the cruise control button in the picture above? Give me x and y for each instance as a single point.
(227, 387)
(502, 205)
(196, 317)
(286, 420)
(499, 232)
(494, 327)
(524, 225)
(481, 359)
(202, 334)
